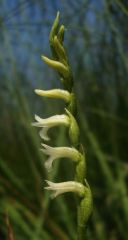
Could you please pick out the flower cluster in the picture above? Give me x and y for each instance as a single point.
(68, 119)
(72, 153)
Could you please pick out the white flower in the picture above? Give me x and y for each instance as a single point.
(55, 93)
(47, 123)
(59, 152)
(63, 187)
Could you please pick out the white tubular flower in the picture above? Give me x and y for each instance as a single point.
(47, 123)
(63, 187)
(60, 152)
(55, 93)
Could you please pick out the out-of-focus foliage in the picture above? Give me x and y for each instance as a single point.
(97, 43)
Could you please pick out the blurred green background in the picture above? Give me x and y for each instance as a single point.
(97, 44)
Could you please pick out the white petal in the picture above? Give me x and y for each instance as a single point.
(51, 185)
(48, 163)
(43, 134)
(36, 124)
(47, 149)
(37, 118)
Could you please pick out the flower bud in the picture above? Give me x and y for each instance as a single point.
(60, 67)
(60, 51)
(54, 28)
(60, 34)
(55, 93)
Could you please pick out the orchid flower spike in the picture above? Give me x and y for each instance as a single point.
(47, 123)
(63, 187)
(60, 152)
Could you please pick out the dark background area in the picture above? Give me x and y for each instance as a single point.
(96, 40)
